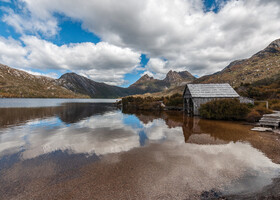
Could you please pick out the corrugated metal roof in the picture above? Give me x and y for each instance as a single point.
(212, 90)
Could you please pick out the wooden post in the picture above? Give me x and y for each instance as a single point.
(266, 104)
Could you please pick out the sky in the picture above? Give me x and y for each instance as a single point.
(116, 42)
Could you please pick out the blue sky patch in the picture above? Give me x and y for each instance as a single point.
(71, 31)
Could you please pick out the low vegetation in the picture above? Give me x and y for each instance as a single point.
(174, 101)
(267, 89)
(225, 109)
(274, 104)
(253, 116)
(232, 109)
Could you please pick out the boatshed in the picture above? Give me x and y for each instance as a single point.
(197, 94)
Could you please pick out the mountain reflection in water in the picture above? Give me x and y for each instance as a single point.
(164, 153)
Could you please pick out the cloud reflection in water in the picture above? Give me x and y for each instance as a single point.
(113, 132)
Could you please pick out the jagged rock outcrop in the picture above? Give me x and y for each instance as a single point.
(144, 78)
(148, 84)
(178, 78)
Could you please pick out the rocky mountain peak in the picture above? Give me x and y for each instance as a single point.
(68, 75)
(172, 77)
(145, 78)
(272, 48)
(177, 78)
(275, 44)
(186, 75)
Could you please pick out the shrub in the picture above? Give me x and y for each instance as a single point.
(226, 109)
(263, 110)
(152, 103)
(253, 116)
(174, 100)
(276, 106)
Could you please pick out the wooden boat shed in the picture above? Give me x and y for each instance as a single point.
(197, 94)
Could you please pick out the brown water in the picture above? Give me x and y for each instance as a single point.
(95, 151)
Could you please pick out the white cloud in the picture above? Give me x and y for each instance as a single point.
(24, 23)
(157, 66)
(175, 34)
(51, 74)
(12, 52)
(100, 62)
(179, 31)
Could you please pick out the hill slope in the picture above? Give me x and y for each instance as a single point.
(268, 88)
(17, 83)
(83, 85)
(262, 65)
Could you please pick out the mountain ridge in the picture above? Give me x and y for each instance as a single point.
(172, 79)
(259, 66)
(144, 84)
(83, 85)
(18, 83)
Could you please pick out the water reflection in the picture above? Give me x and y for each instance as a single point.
(68, 113)
(102, 128)
(99, 134)
(166, 146)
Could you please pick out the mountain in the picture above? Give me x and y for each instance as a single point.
(260, 66)
(17, 83)
(83, 85)
(147, 84)
(174, 78)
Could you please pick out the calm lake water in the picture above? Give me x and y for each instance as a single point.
(34, 102)
(86, 150)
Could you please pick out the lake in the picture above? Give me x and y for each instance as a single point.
(90, 149)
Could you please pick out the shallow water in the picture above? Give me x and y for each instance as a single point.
(96, 151)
